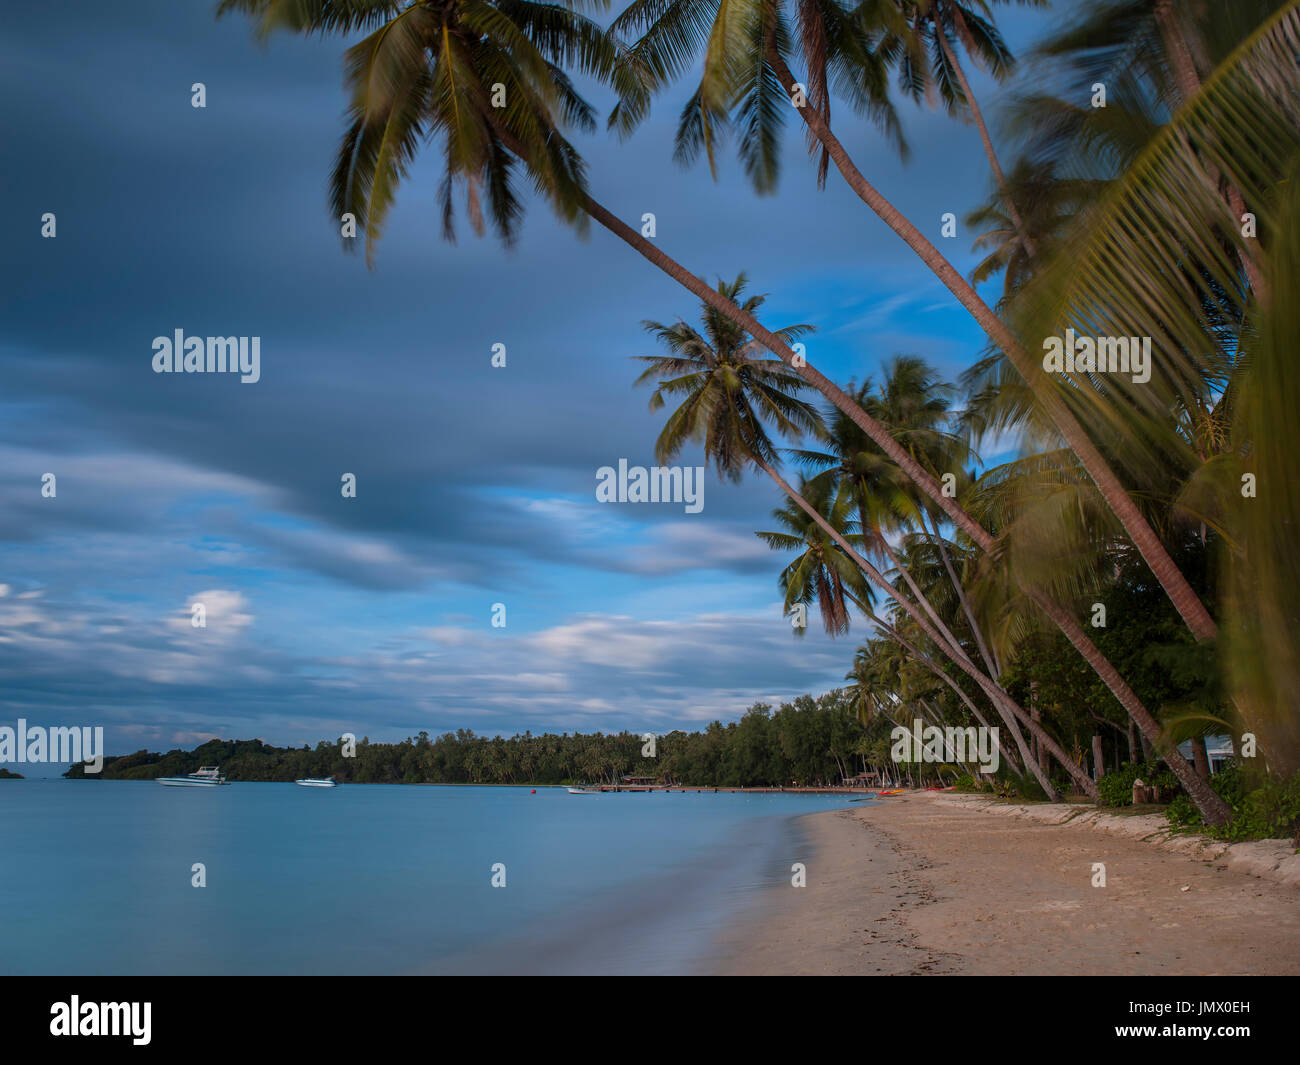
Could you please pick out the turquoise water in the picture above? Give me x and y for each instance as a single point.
(96, 877)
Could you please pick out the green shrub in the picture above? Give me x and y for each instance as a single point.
(1266, 807)
(1116, 789)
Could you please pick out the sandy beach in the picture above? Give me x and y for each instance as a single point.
(925, 885)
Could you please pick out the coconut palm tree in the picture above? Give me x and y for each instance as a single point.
(732, 392)
(717, 411)
(915, 404)
(920, 38)
(821, 573)
(745, 36)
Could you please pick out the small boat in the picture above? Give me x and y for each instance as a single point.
(886, 794)
(317, 782)
(580, 790)
(208, 776)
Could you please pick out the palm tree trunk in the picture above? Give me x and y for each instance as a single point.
(959, 658)
(939, 672)
(1180, 592)
(1005, 193)
(954, 650)
(1213, 809)
(1200, 757)
(919, 595)
(989, 656)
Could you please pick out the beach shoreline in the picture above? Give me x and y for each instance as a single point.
(923, 884)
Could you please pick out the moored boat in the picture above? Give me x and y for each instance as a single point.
(208, 776)
(580, 790)
(317, 782)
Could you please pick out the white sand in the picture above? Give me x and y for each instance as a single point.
(919, 884)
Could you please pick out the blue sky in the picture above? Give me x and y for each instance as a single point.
(475, 484)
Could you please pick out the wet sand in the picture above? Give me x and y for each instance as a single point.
(925, 885)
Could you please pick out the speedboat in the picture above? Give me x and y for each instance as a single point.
(317, 782)
(579, 790)
(208, 776)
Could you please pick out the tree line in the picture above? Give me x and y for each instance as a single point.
(808, 741)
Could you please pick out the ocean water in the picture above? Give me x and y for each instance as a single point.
(96, 877)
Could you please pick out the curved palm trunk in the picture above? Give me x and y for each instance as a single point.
(953, 649)
(1021, 231)
(995, 694)
(920, 596)
(1213, 809)
(938, 671)
(990, 658)
(1181, 594)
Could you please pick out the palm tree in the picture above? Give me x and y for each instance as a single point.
(719, 412)
(731, 391)
(915, 404)
(483, 77)
(919, 37)
(746, 36)
(821, 573)
(1235, 142)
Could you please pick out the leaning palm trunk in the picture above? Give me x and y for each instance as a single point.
(985, 649)
(958, 657)
(920, 596)
(998, 176)
(1180, 592)
(1213, 809)
(954, 648)
(942, 674)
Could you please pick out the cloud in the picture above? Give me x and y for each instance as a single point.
(475, 484)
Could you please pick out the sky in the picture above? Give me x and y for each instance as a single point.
(475, 485)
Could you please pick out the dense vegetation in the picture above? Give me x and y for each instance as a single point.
(807, 741)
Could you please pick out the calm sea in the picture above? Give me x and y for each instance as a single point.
(96, 877)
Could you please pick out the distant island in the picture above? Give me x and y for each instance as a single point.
(6, 775)
(810, 741)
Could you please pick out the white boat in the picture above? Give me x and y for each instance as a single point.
(317, 782)
(208, 776)
(584, 791)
